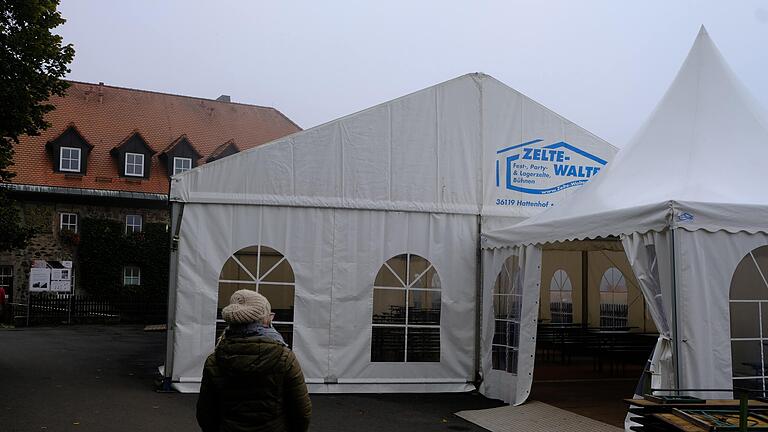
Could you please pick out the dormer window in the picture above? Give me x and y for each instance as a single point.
(69, 159)
(181, 164)
(134, 164)
(179, 156)
(133, 156)
(227, 149)
(69, 152)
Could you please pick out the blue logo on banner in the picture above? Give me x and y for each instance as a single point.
(685, 217)
(529, 164)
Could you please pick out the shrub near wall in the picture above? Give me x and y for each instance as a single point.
(105, 249)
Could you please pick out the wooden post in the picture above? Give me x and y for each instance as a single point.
(743, 411)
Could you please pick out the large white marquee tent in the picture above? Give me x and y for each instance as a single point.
(365, 233)
(687, 199)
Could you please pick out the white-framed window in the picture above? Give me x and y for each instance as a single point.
(507, 309)
(613, 299)
(134, 164)
(69, 159)
(132, 223)
(749, 321)
(131, 275)
(68, 221)
(181, 164)
(266, 271)
(406, 311)
(561, 298)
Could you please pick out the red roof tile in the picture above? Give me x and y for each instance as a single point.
(106, 115)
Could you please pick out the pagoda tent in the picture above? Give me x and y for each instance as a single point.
(687, 200)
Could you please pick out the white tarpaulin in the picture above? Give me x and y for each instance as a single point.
(518, 310)
(411, 181)
(695, 176)
(471, 145)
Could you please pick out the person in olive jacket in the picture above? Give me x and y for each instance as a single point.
(252, 381)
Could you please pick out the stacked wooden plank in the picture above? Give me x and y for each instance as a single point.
(688, 414)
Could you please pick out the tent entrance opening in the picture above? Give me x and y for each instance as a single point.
(594, 334)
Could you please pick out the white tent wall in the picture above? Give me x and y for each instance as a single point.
(703, 304)
(514, 386)
(449, 243)
(569, 262)
(302, 235)
(702, 297)
(334, 278)
(599, 261)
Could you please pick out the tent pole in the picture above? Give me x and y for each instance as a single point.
(675, 330)
(478, 302)
(177, 211)
(584, 289)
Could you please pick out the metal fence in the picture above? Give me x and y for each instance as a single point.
(53, 309)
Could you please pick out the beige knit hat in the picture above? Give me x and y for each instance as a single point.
(246, 306)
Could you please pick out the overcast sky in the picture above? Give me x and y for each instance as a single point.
(602, 64)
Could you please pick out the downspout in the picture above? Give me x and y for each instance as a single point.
(177, 211)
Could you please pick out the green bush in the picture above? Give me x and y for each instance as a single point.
(105, 249)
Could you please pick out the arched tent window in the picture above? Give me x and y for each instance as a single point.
(613, 299)
(507, 307)
(749, 320)
(266, 271)
(406, 311)
(561, 297)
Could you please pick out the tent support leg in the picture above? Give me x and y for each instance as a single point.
(584, 289)
(177, 211)
(675, 330)
(478, 303)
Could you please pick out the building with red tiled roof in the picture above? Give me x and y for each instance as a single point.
(110, 152)
(106, 116)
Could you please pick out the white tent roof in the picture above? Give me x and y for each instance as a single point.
(435, 150)
(699, 162)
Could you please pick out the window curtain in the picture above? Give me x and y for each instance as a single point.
(648, 254)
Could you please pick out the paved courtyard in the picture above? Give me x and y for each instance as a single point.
(101, 378)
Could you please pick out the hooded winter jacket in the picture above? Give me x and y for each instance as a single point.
(253, 384)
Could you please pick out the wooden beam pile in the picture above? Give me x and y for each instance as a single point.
(688, 414)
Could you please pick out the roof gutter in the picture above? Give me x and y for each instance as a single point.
(99, 193)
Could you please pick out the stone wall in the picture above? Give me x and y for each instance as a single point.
(46, 245)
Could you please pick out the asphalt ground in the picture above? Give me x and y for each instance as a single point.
(102, 378)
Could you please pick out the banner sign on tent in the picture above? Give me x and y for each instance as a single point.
(537, 169)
